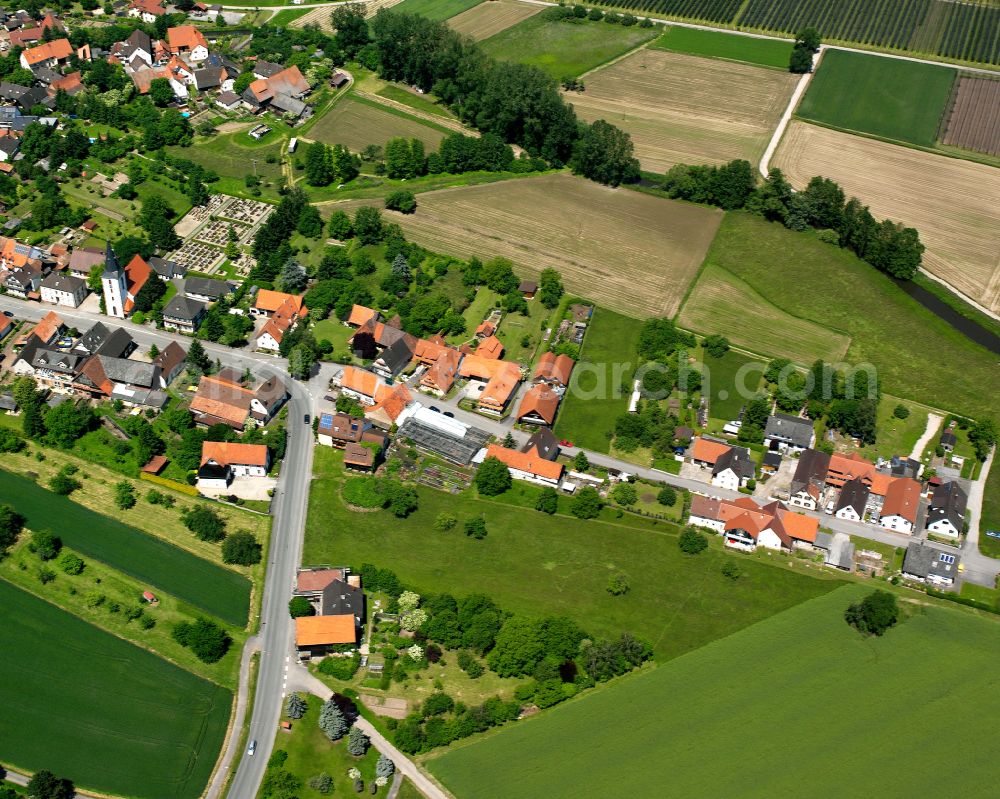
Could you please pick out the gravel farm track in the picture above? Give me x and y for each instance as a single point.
(955, 204)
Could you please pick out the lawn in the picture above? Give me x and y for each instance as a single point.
(991, 512)
(356, 123)
(564, 48)
(515, 327)
(437, 10)
(311, 753)
(729, 382)
(537, 565)
(602, 382)
(232, 156)
(334, 331)
(730, 46)
(885, 97)
(825, 285)
(420, 103)
(718, 294)
(152, 561)
(897, 436)
(100, 711)
(287, 16)
(816, 703)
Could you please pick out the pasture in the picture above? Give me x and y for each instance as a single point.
(564, 48)
(435, 9)
(685, 109)
(885, 97)
(955, 204)
(152, 561)
(764, 327)
(356, 123)
(974, 121)
(601, 384)
(730, 46)
(603, 241)
(108, 715)
(562, 565)
(918, 356)
(489, 18)
(771, 688)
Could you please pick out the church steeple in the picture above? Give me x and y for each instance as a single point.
(112, 269)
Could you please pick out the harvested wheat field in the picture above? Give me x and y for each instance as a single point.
(763, 327)
(954, 204)
(320, 17)
(974, 122)
(685, 109)
(490, 18)
(627, 251)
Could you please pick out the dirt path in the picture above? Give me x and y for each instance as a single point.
(933, 422)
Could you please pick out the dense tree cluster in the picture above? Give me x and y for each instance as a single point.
(874, 614)
(886, 245)
(325, 164)
(848, 398)
(207, 640)
(517, 103)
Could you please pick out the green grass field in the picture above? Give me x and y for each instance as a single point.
(287, 16)
(828, 286)
(100, 711)
(805, 698)
(564, 48)
(991, 512)
(885, 97)
(357, 122)
(763, 326)
(730, 381)
(730, 46)
(896, 436)
(537, 565)
(232, 157)
(438, 10)
(602, 381)
(415, 101)
(150, 560)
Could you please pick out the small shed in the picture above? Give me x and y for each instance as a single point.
(528, 288)
(150, 597)
(155, 465)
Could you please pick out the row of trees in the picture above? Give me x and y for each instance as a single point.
(458, 153)
(886, 245)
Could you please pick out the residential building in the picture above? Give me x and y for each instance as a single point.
(374, 335)
(340, 429)
(359, 458)
(343, 597)
(733, 469)
(745, 525)
(948, 438)
(390, 404)
(121, 285)
(705, 452)
(542, 443)
(852, 501)
(83, 259)
(318, 636)
(135, 383)
(205, 289)
(490, 347)
(553, 369)
(267, 400)
(809, 480)
(170, 361)
(187, 40)
(222, 462)
(394, 358)
(360, 315)
(441, 376)
(527, 466)
(847, 467)
(501, 381)
(946, 514)
(788, 434)
(102, 340)
(146, 10)
(228, 101)
(136, 49)
(25, 281)
(183, 314)
(930, 564)
(902, 501)
(358, 384)
(51, 54)
(281, 92)
(220, 400)
(60, 288)
(539, 406)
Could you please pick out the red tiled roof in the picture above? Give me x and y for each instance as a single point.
(325, 630)
(226, 453)
(708, 451)
(541, 401)
(359, 380)
(902, 499)
(185, 37)
(360, 314)
(317, 579)
(554, 367)
(59, 49)
(490, 347)
(526, 462)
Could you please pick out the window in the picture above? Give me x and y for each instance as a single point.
(949, 559)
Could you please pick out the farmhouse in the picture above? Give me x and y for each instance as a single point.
(902, 500)
(83, 259)
(281, 92)
(733, 469)
(62, 289)
(187, 40)
(441, 376)
(221, 401)
(502, 379)
(135, 383)
(203, 289)
(927, 563)
(490, 347)
(51, 54)
(847, 467)
(390, 403)
(146, 10)
(221, 462)
(705, 452)
(527, 466)
(317, 636)
(394, 358)
(373, 334)
(745, 525)
(946, 515)
(788, 434)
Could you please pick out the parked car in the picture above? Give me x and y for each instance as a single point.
(449, 414)
(565, 443)
(435, 409)
(9, 313)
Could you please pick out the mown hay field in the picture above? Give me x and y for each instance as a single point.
(106, 714)
(955, 204)
(489, 18)
(686, 109)
(763, 327)
(849, 707)
(156, 563)
(356, 123)
(627, 251)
